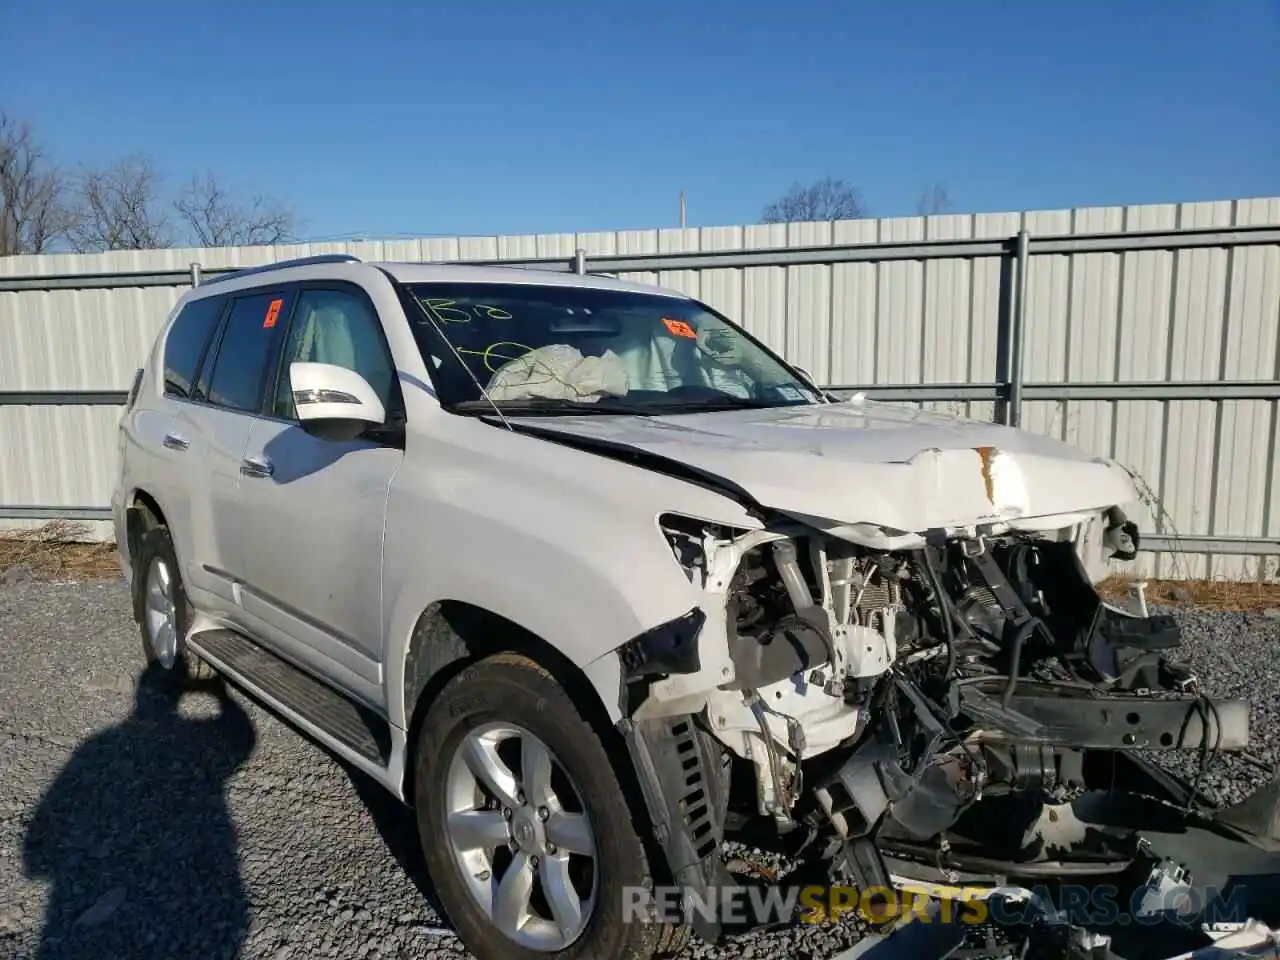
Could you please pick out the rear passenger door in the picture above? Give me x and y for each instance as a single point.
(227, 398)
(171, 435)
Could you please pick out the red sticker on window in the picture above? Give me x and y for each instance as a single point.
(678, 328)
(273, 314)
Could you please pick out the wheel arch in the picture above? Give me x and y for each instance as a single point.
(142, 514)
(147, 506)
(450, 635)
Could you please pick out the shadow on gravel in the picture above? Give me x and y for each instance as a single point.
(135, 838)
(398, 829)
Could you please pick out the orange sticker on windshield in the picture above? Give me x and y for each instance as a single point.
(678, 328)
(273, 314)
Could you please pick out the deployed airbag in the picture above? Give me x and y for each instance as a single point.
(559, 372)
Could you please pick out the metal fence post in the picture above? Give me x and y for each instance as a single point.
(580, 261)
(195, 274)
(1018, 330)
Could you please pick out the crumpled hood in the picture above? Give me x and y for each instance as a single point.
(861, 462)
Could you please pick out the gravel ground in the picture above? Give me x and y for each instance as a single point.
(130, 829)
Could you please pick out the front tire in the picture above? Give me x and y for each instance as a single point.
(527, 836)
(163, 612)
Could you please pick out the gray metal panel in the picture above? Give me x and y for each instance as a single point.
(855, 295)
(948, 314)
(1246, 450)
(57, 455)
(1089, 343)
(1142, 336)
(78, 339)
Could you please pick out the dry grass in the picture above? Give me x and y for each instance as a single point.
(1206, 594)
(59, 550)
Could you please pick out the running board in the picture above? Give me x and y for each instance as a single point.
(356, 727)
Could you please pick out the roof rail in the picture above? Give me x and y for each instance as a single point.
(281, 264)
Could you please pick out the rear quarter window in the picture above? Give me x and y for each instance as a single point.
(186, 343)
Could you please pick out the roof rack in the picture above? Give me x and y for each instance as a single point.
(281, 264)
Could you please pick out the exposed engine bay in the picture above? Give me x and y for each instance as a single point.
(969, 711)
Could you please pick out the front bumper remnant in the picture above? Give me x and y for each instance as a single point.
(1051, 716)
(941, 935)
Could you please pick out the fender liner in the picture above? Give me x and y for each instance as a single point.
(675, 767)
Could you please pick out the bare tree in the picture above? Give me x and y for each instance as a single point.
(215, 218)
(33, 193)
(827, 199)
(121, 207)
(933, 200)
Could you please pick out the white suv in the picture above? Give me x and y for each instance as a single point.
(592, 579)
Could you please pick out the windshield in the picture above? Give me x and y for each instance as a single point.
(554, 349)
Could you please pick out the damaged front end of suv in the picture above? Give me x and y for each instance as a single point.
(954, 707)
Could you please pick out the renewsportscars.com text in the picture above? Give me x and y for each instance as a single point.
(1073, 903)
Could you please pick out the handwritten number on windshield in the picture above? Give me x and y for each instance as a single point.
(449, 311)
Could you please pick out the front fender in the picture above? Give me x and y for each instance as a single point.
(539, 600)
(563, 543)
(583, 597)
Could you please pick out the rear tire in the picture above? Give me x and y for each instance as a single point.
(163, 612)
(482, 711)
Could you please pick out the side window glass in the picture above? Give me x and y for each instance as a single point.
(186, 343)
(339, 327)
(200, 392)
(245, 351)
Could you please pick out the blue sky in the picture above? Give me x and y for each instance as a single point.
(394, 118)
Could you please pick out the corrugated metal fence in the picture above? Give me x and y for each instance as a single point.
(1147, 333)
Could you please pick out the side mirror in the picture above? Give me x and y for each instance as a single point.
(807, 377)
(332, 401)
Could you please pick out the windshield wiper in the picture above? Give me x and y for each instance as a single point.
(651, 406)
(727, 401)
(555, 406)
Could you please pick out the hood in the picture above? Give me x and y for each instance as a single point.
(861, 462)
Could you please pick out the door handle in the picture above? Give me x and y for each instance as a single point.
(256, 467)
(175, 442)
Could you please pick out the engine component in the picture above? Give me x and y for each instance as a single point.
(867, 652)
(794, 644)
(855, 798)
(784, 558)
(924, 805)
(979, 608)
(953, 709)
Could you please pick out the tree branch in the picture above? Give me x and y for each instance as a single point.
(34, 215)
(828, 199)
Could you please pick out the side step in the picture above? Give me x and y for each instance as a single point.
(359, 728)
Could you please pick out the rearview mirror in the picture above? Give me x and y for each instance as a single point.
(333, 401)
